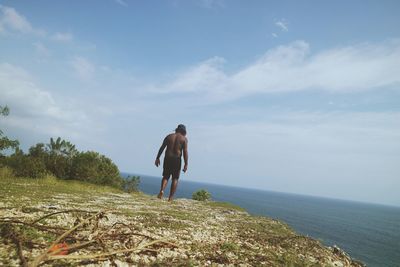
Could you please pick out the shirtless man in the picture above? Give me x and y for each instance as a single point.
(176, 143)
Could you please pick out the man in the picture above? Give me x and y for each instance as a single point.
(176, 144)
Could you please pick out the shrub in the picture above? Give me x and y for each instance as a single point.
(95, 168)
(131, 184)
(6, 172)
(201, 195)
(26, 166)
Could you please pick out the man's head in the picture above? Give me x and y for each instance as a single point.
(181, 129)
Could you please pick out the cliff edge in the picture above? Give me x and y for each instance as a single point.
(66, 223)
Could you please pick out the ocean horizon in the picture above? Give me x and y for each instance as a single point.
(369, 232)
(271, 191)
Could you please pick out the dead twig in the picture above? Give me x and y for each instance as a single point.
(37, 226)
(45, 254)
(105, 255)
(8, 231)
(72, 247)
(58, 212)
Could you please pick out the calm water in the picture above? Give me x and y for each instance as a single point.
(368, 232)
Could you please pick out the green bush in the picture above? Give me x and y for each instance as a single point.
(60, 159)
(6, 172)
(201, 195)
(26, 166)
(94, 168)
(131, 184)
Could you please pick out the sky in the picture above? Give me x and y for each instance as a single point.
(290, 96)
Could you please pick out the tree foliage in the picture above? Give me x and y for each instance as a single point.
(26, 166)
(5, 142)
(4, 110)
(92, 167)
(61, 158)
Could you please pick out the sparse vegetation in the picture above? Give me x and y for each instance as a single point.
(131, 184)
(37, 212)
(201, 195)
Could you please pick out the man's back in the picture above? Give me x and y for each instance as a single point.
(175, 144)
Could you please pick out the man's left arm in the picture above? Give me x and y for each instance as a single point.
(185, 155)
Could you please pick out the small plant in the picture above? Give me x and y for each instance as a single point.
(201, 195)
(131, 184)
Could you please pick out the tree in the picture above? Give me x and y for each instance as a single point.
(38, 151)
(63, 160)
(60, 154)
(5, 142)
(61, 147)
(4, 110)
(25, 165)
(95, 168)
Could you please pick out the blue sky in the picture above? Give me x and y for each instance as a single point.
(292, 96)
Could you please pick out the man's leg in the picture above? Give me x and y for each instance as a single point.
(164, 183)
(174, 185)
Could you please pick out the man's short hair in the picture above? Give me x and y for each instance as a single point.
(181, 129)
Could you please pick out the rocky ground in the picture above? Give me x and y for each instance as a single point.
(57, 223)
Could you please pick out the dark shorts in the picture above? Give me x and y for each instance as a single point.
(172, 166)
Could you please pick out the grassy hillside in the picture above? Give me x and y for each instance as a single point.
(67, 223)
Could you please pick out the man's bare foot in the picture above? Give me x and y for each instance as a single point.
(160, 195)
(170, 199)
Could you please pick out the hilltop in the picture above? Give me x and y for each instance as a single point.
(101, 226)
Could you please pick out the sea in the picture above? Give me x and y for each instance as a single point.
(367, 232)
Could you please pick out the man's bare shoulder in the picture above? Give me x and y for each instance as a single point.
(183, 140)
(170, 136)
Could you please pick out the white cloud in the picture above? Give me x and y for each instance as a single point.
(35, 110)
(62, 37)
(19, 90)
(83, 68)
(282, 24)
(294, 67)
(41, 49)
(274, 35)
(202, 77)
(11, 20)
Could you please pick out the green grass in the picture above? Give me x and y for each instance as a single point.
(39, 189)
(30, 233)
(228, 246)
(246, 238)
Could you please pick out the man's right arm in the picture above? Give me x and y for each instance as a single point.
(160, 151)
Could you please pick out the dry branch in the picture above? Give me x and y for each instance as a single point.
(58, 212)
(37, 226)
(45, 254)
(105, 255)
(9, 232)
